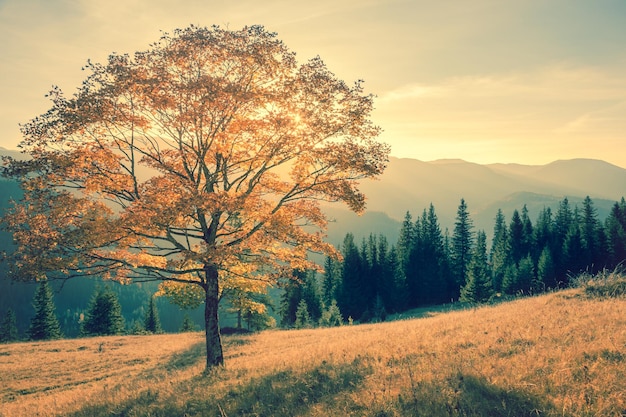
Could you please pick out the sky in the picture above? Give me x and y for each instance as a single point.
(508, 81)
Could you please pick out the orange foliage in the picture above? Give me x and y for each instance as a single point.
(210, 150)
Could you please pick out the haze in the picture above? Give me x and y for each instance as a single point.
(486, 81)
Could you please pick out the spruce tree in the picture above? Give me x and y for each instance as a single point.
(593, 238)
(500, 253)
(151, 321)
(546, 272)
(330, 280)
(527, 232)
(405, 241)
(44, 325)
(302, 287)
(543, 233)
(478, 288)
(615, 231)
(8, 328)
(462, 238)
(563, 222)
(303, 319)
(331, 317)
(398, 297)
(104, 314)
(574, 253)
(188, 325)
(351, 299)
(516, 238)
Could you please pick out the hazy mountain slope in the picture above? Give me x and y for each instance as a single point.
(582, 176)
(411, 185)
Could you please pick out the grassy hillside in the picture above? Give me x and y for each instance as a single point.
(561, 354)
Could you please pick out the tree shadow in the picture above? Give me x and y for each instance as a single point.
(471, 396)
(186, 359)
(281, 394)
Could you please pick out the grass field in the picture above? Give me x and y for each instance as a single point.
(561, 354)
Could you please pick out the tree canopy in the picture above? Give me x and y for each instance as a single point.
(200, 161)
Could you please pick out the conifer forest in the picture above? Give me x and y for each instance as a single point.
(429, 266)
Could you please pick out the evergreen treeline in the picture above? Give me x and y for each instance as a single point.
(103, 317)
(428, 266)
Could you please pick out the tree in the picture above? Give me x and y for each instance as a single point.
(197, 163)
(330, 280)
(351, 299)
(104, 314)
(303, 319)
(462, 238)
(546, 273)
(331, 317)
(151, 321)
(478, 288)
(44, 325)
(563, 223)
(500, 253)
(302, 286)
(8, 327)
(593, 237)
(248, 305)
(188, 325)
(518, 278)
(429, 280)
(615, 230)
(517, 238)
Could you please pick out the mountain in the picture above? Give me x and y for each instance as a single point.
(412, 185)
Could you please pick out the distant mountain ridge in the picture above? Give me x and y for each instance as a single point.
(412, 185)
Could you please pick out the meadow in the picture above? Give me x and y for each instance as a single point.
(558, 354)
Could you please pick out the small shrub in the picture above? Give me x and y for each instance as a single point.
(603, 285)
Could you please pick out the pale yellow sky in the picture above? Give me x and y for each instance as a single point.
(486, 81)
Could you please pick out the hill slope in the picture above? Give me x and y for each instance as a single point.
(561, 354)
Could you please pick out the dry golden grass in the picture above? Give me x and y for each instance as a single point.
(561, 354)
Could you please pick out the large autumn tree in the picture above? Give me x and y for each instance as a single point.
(200, 162)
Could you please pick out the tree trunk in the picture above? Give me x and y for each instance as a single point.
(214, 354)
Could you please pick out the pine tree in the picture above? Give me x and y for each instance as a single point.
(8, 328)
(564, 221)
(405, 241)
(398, 296)
(302, 287)
(432, 286)
(593, 237)
(104, 314)
(516, 238)
(615, 231)
(500, 253)
(44, 325)
(543, 233)
(311, 294)
(526, 274)
(573, 247)
(330, 280)
(546, 272)
(351, 299)
(527, 232)
(462, 238)
(151, 321)
(478, 288)
(331, 317)
(137, 328)
(303, 319)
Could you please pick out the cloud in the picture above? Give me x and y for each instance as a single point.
(556, 82)
(558, 108)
